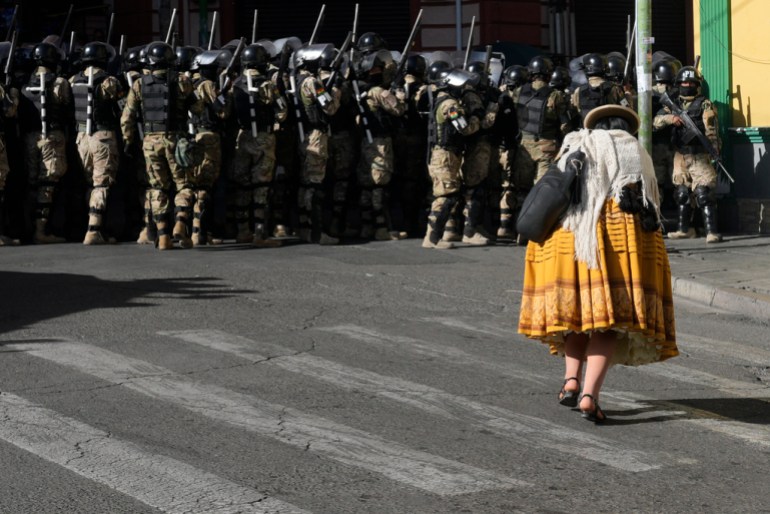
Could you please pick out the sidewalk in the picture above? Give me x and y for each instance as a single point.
(733, 275)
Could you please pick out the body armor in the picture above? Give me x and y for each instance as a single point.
(263, 115)
(31, 106)
(312, 115)
(208, 119)
(380, 122)
(591, 98)
(158, 104)
(531, 108)
(448, 136)
(103, 114)
(683, 139)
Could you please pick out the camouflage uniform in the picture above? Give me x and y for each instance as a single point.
(162, 130)
(286, 179)
(662, 151)
(505, 144)
(10, 104)
(452, 126)
(598, 91)
(45, 155)
(375, 167)
(208, 128)
(317, 106)
(257, 109)
(543, 120)
(694, 176)
(98, 151)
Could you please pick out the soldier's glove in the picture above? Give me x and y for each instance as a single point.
(400, 94)
(128, 151)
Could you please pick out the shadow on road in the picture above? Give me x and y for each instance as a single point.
(745, 410)
(29, 298)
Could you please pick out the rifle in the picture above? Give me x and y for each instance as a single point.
(170, 26)
(318, 24)
(432, 133)
(228, 81)
(9, 61)
(409, 41)
(695, 132)
(254, 28)
(335, 66)
(213, 31)
(470, 43)
(66, 26)
(363, 111)
(13, 22)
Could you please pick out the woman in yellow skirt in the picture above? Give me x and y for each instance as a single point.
(598, 289)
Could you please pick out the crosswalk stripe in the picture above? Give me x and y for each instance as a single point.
(702, 378)
(721, 348)
(156, 480)
(339, 442)
(527, 430)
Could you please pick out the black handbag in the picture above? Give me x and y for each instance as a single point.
(549, 199)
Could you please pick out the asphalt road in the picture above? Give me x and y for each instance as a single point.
(378, 377)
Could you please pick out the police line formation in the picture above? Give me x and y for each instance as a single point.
(467, 143)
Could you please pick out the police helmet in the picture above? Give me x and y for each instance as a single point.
(457, 80)
(211, 59)
(185, 56)
(688, 74)
(595, 65)
(560, 78)
(515, 76)
(370, 42)
(416, 66)
(437, 70)
(664, 71)
(46, 54)
(375, 63)
(160, 55)
(255, 57)
(272, 50)
(95, 53)
(328, 54)
(287, 44)
(540, 65)
(133, 58)
(22, 59)
(616, 67)
(480, 69)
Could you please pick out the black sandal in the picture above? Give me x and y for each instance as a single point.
(597, 415)
(569, 398)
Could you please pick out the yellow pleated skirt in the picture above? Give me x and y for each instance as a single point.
(629, 293)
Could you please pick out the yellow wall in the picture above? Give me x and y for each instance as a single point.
(750, 62)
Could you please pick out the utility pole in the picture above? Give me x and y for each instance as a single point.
(644, 41)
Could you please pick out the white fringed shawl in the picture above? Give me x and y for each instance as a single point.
(614, 158)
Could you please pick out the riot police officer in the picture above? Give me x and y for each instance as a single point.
(694, 175)
(164, 98)
(44, 112)
(96, 96)
(598, 91)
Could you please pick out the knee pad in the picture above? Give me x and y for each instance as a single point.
(704, 196)
(682, 195)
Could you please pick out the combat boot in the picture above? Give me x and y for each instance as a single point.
(147, 236)
(180, 234)
(280, 231)
(451, 235)
(42, 236)
(506, 234)
(476, 240)
(383, 234)
(710, 221)
(684, 230)
(440, 245)
(94, 237)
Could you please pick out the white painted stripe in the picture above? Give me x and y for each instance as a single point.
(526, 430)
(701, 378)
(336, 441)
(734, 350)
(751, 433)
(156, 480)
(485, 330)
(445, 353)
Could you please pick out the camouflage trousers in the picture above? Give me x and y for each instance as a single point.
(252, 172)
(5, 169)
(203, 177)
(532, 161)
(99, 156)
(693, 170)
(163, 173)
(504, 196)
(475, 167)
(375, 169)
(444, 170)
(314, 152)
(342, 160)
(46, 162)
(663, 161)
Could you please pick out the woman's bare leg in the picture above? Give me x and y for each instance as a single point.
(599, 352)
(574, 354)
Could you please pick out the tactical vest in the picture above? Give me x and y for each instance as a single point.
(447, 136)
(344, 120)
(263, 115)
(593, 97)
(506, 126)
(103, 114)
(683, 139)
(312, 115)
(31, 105)
(158, 104)
(530, 109)
(208, 119)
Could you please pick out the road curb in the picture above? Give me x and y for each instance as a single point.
(739, 301)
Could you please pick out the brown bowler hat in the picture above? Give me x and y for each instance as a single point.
(606, 111)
